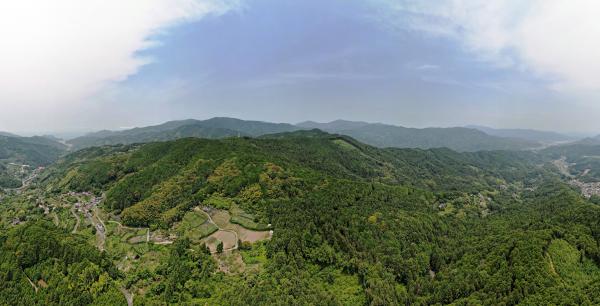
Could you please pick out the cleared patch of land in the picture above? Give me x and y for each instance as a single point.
(195, 226)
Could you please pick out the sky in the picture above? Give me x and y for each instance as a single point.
(73, 65)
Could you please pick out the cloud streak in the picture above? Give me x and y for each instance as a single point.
(55, 54)
(558, 41)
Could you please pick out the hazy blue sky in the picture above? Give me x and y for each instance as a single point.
(83, 65)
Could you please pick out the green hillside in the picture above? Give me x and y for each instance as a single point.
(352, 225)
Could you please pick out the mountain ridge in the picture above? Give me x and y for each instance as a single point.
(526, 134)
(377, 134)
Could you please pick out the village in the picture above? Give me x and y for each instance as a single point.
(587, 189)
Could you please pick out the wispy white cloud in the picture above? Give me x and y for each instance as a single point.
(427, 67)
(55, 54)
(556, 40)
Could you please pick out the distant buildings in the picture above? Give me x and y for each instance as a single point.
(587, 189)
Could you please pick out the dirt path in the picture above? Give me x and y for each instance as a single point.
(30, 282)
(216, 234)
(128, 296)
(100, 229)
(78, 220)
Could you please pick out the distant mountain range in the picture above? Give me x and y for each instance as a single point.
(545, 137)
(8, 134)
(456, 138)
(212, 128)
(376, 134)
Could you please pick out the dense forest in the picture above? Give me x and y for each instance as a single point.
(341, 223)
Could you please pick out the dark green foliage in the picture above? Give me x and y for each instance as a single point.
(7, 180)
(64, 268)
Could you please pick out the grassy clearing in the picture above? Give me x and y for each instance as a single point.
(346, 288)
(256, 255)
(230, 263)
(246, 220)
(219, 202)
(248, 223)
(344, 144)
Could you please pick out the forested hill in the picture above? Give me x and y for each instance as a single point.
(380, 135)
(351, 224)
(212, 129)
(35, 151)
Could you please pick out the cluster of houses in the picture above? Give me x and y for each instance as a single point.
(587, 189)
(87, 207)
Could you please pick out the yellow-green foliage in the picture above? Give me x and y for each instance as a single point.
(277, 182)
(168, 200)
(219, 202)
(568, 263)
(346, 288)
(255, 254)
(374, 217)
(251, 194)
(344, 144)
(225, 171)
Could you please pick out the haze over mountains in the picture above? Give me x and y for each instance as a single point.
(456, 138)
(43, 150)
(526, 134)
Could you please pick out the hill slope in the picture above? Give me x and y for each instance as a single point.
(131, 176)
